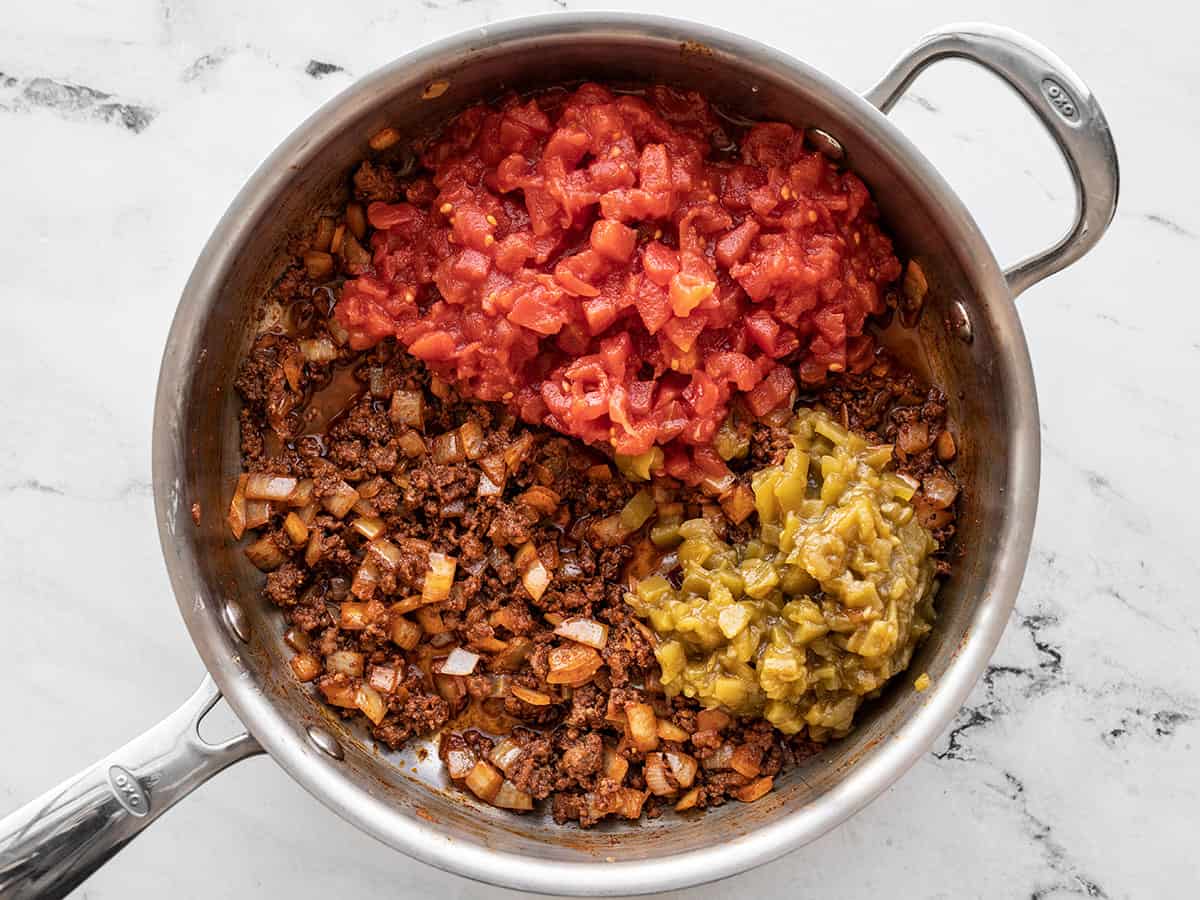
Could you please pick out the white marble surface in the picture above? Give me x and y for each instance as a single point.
(1073, 771)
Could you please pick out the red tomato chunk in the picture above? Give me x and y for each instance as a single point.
(591, 260)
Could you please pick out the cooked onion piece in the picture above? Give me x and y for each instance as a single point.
(584, 631)
(459, 662)
(439, 578)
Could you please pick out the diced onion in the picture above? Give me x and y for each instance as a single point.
(688, 800)
(516, 452)
(237, 509)
(493, 467)
(377, 382)
(265, 554)
(312, 553)
(305, 666)
(608, 532)
(439, 578)
(939, 490)
(369, 527)
(353, 617)
(431, 621)
(459, 763)
(719, 759)
(297, 639)
(365, 508)
(487, 487)
(573, 664)
(451, 688)
(297, 531)
(324, 233)
(405, 634)
(319, 350)
(459, 662)
(385, 553)
(471, 436)
(412, 444)
(529, 695)
(484, 781)
(738, 504)
(641, 724)
(505, 755)
(669, 731)
(260, 486)
(945, 446)
(372, 705)
(448, 449)
(913, 437)
(755, 789)
(500, 685)
(318, 264)
(490, 644)
(615, 765)
(683, 767)
(508, 797)
(746, 760)
(712, 720)
(366, 579)
(655, 771)
(356, 218)
(541, 498)
(341, 501)
(533, 574)
(372, 487)
(718, 486)
(346, 662)
(631, 802)
(511, 659)
(258, 513)
(383, 678)
(343, 695)
(584, 631)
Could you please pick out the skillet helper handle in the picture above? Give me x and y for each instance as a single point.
(1065, 107)
(52, 844)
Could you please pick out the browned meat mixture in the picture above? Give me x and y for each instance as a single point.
(442, 566)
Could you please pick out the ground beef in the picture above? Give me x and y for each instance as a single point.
(284, 583)
(373, 182)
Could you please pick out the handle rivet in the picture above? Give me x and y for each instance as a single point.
(236, 619)
(325, 742)
(960, 322)
(825, 143)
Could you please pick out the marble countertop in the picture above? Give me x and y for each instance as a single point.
(127, 127)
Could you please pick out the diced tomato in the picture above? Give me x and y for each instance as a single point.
(515, 268)
(660, 263)
(537, 310)
(683, 332)
(772, 392)
(433, 347)
(600, 312)
(653, 306)
(689, 291)
(613, 240)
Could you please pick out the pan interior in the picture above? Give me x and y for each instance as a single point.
(197, 452)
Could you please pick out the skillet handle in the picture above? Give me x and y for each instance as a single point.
(1065, 107)
(52, 844)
